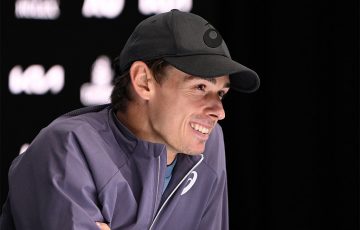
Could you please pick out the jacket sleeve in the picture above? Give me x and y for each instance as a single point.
(51, 187)
(216, 215)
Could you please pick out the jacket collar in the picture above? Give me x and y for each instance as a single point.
(132, 141)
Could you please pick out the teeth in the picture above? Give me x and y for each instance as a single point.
(200, 128)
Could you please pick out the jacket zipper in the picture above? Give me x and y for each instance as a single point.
(174, 190)
(157, 186)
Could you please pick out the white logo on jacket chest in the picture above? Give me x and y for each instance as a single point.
(190, 182)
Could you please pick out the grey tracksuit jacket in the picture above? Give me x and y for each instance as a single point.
(86, 167)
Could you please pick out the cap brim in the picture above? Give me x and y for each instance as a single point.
(242, 79)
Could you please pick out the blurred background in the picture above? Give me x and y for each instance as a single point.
(292, 147)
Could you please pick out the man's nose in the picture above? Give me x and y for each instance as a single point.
(215, 107)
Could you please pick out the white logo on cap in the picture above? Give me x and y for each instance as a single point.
(190, 182)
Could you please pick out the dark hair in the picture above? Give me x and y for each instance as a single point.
(121, 93)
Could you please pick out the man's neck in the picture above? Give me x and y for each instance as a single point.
(170, 157)
(136, 121)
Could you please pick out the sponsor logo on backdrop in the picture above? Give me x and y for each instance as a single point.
(102, 8)
(158, 6)
(34, 80)
(98, 90)
(50, 10)
(37, 9)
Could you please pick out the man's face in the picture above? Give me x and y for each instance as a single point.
(185, 109)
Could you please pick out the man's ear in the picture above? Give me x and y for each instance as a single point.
(141, 78)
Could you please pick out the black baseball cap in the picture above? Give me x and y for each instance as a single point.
(189, 43)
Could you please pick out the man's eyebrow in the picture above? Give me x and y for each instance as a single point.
(211, 80)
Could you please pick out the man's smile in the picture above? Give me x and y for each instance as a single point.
(202, 129)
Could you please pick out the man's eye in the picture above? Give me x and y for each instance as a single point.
(201, 87)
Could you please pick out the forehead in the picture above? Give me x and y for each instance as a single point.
(213, 80)
(183, 77)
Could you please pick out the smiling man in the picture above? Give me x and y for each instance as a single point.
(152, 159)
(179, 112)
